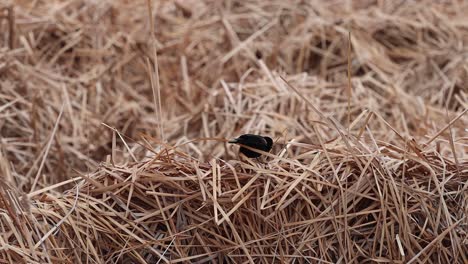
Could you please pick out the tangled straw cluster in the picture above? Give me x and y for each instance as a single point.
(344, 205)
(370, 166)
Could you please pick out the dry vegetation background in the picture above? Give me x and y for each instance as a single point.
(90, 171)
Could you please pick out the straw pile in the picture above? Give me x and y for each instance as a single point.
(104, 159)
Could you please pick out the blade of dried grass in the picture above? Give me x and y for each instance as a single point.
(47, 149)
(155, 84)
(435, 240)
(445, 127)
(54, 229)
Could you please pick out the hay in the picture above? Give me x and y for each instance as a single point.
(104, 159)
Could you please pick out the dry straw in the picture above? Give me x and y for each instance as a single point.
(113, 139)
